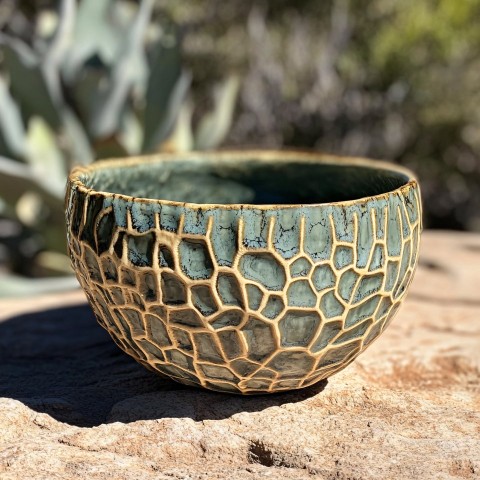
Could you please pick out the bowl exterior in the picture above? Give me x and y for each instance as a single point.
(244, 300)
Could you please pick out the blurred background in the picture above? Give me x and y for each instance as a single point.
(88, 79)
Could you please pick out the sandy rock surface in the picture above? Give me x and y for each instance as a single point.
(73, 406)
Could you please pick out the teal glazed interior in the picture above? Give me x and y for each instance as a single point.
(246, 272)
(250, 181)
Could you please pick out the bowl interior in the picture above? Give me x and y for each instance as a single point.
(246, 180)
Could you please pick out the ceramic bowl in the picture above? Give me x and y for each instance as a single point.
(246, 272)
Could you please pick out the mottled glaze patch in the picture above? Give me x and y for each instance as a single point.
(243, 299)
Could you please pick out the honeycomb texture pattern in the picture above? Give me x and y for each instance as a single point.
(244, 300)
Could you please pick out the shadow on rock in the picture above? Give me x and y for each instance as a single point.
(61, 362)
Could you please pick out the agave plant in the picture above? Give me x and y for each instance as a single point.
(99, 79)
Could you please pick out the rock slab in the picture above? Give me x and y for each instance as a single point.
(73, 406)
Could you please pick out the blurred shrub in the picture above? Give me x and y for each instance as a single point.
(382, 78)
(103, 79)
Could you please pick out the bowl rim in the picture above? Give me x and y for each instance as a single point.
(264, 155)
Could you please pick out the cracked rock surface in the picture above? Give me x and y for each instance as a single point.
(73, 406)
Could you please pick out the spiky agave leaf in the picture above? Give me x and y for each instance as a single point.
(12, 130)
(167, 88)
(45, 158)
(28, 84)
(129, 65)
(215, 125)
(93, 35)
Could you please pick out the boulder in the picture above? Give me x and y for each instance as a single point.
(73, 406)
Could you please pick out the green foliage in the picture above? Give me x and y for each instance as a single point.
(414, 34)
(97, 79)
(431, 49)
(380, 78)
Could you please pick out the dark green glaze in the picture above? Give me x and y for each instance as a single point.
(207, 180)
